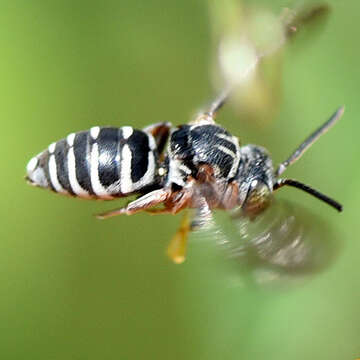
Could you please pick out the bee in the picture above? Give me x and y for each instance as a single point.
(198, 165)
(203, 168)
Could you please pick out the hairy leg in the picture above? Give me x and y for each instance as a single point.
(141, 204)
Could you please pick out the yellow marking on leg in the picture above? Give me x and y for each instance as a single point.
(176, 250)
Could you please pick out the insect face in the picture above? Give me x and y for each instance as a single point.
(255, 178)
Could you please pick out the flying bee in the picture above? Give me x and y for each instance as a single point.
(198, 165)
(203, 168)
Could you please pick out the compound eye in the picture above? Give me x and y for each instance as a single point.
(258, 198)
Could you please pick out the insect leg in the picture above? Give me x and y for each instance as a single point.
(216, 105)
(203, 215)
(231, 196)
(309, 190)
(292, 22)
(176, 250)
(296, 155)
(143, 203)
(160, 132)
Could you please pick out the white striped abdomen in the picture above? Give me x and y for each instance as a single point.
(102, 162)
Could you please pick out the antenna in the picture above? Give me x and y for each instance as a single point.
(297, 184)
(310, 140)
(296, 155)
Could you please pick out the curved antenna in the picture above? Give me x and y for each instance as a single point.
(297, 184)
(310, 140)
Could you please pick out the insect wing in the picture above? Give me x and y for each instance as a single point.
(286, 241)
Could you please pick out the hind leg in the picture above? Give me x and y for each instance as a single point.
(143, 203)
(176, 250)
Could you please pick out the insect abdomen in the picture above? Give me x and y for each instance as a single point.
(102, 162)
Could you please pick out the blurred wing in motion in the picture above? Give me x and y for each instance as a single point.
(285, 242)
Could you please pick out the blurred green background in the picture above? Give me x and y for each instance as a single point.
(72, 287)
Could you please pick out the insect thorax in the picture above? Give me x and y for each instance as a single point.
(192, 146)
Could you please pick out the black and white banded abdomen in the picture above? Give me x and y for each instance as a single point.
(103, 162)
